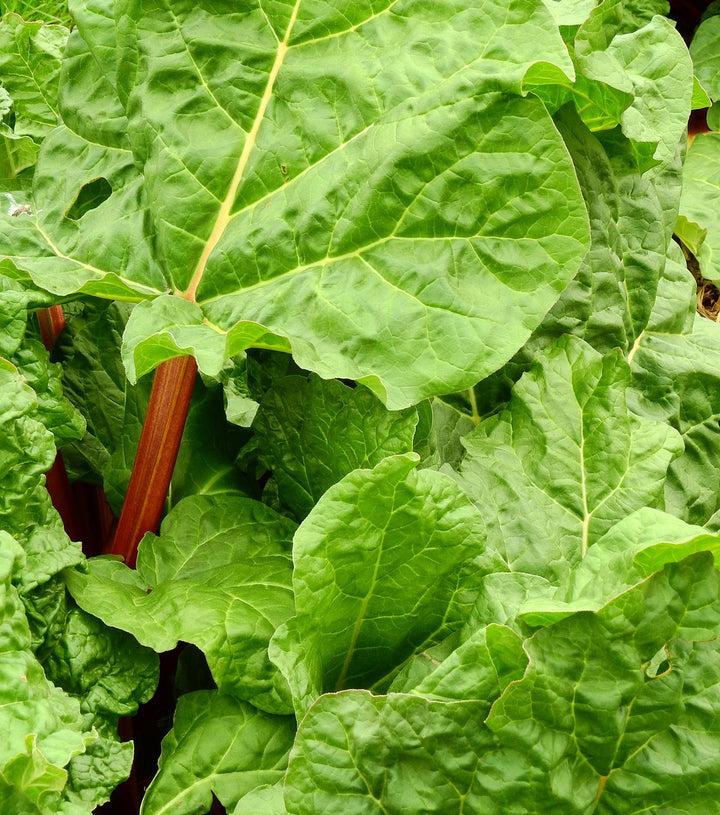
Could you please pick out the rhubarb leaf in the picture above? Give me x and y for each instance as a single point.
(677, 380)
(219, 745)
(45, 734)
(553, 472)
(259, 198)
(700, 196)
(381, 567)
(310, 433)
(27, 451)
(30, 58)
(543, 748)
(218, 576)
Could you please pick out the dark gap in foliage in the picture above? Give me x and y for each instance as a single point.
(90, 197)
(687, 14)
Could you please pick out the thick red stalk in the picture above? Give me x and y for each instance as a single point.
(156, 455)
(52, 322)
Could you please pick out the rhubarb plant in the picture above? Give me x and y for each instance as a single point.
(435, 528)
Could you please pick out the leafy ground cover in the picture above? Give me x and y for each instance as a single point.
(367, 335)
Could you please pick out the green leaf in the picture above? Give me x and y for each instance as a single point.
(42, 726)
(700, 196)
(27, 452)
(439, 433)
(480, 668)
(705, 53)
(677, 382)
(260, 197)
(700, 99)
(55, 411)
(30, 57)
(553, 472)
(570, 12)
(217, 744)
(690, 234)
(609, 302)
(675, 304)
(310, 433)
(713, 117)
(380, 568)
(265, 800)
(633, 549)
(651, 63)
(596, 724)
(218, 576)
(102, 667)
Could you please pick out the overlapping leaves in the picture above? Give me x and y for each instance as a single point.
(259, 197)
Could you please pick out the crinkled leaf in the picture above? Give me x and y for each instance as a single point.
(380, 568)
(310, 433)
(345, 203)
(633, 549)
(595, 725)
(700, 196)
(651, 64)
(480, 668)
(705, 53)
(218, 576)
(553, 472)
(439, 433)
(106, 669)
(30, 58)
(43, 729)
(27, 451)
(219, 745)
(677, 379)
(610, 300)
(54, 410)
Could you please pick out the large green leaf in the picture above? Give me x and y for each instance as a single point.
(564, 460)
(219, 576)
(597, 724)
(217, 744)
(381, 567)
(259, 190)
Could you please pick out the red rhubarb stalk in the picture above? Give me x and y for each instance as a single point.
(156, 455)
(52, 322)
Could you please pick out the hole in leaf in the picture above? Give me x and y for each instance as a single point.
(659, 665)
(90, 196)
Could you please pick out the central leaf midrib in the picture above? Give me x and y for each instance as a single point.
(223, 217)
